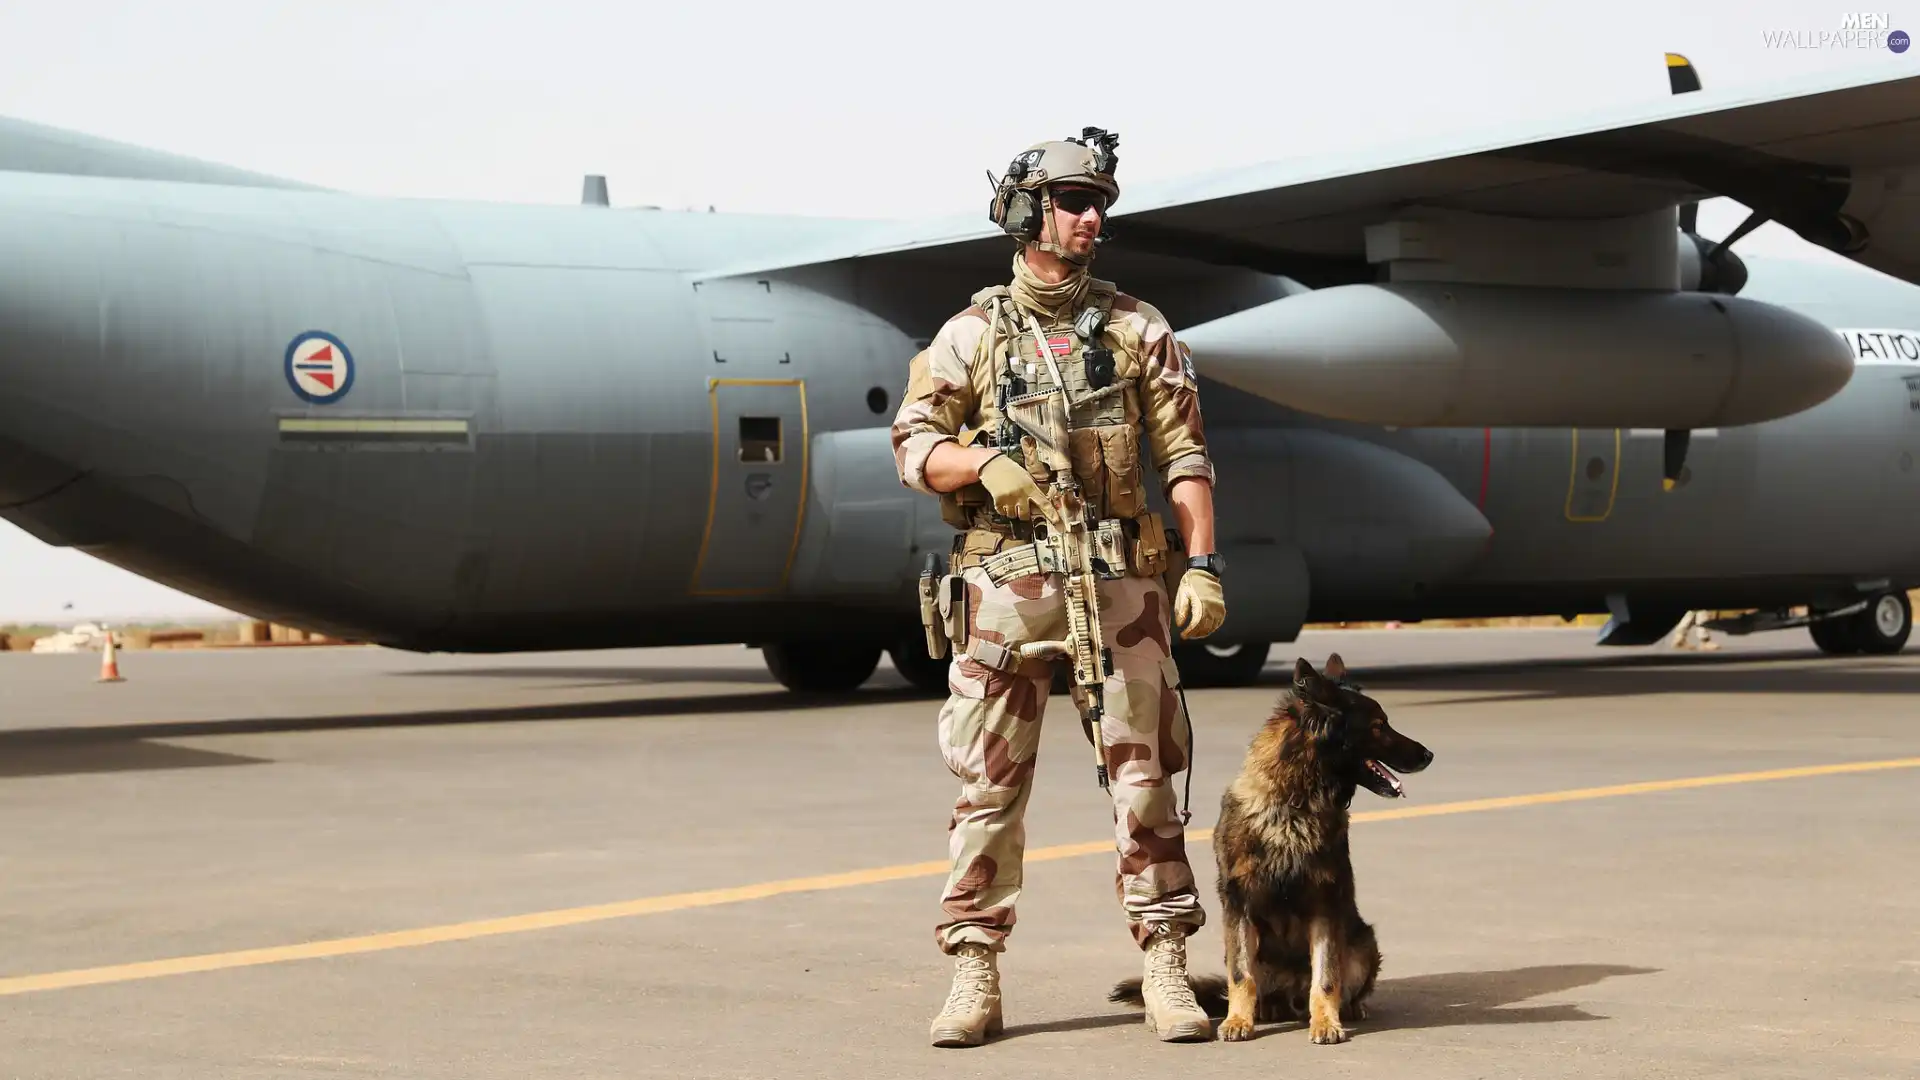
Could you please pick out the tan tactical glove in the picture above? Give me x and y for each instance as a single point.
(1013, 488)
(1199, 607)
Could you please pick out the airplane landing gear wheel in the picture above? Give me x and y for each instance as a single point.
(821, 667)
(1833, 636)
(1882, 629)
(1203, 664)
(910, 659)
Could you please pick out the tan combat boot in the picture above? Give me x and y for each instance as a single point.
(1171, 1011)
(972, 1011)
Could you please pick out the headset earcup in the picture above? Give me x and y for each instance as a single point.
(1023, 216)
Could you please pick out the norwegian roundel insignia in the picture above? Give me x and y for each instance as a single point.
(319, 367)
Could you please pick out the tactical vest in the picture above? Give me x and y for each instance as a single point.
(1103, 389)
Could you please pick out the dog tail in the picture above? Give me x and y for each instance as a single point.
(1210, 991)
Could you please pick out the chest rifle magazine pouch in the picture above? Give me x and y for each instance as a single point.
(1126, 495)
(932, 620)
(1084, 451)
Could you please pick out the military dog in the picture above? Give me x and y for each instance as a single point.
(1296, 946)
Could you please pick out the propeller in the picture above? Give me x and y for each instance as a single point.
(1713, 267)
(1674, 457)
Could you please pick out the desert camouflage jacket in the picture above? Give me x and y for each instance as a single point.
(951, 387)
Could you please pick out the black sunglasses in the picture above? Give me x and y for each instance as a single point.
(1079, 200)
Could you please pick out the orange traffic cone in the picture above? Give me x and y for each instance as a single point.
(109, 667)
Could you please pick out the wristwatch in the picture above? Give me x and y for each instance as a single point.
(1213, 563)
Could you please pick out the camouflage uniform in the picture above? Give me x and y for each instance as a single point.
(989, 727)
(1086, 371)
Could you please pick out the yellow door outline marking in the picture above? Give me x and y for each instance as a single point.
(1573, 478)
(656, 905)
(713, 489)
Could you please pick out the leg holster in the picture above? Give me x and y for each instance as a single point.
(943, 608)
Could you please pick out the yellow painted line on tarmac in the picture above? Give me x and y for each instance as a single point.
(1648, 787)
(658, 905)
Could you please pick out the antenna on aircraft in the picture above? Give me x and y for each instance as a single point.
(594, 191)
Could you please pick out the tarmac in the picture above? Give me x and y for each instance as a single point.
(355, 862)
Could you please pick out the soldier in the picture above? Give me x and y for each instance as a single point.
(1691, 634)
(1134, 395)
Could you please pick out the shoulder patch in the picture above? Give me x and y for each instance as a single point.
(1185, 356)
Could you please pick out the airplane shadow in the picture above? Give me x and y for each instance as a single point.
(21, 760)
(1503, 680)
(585, 677)
(49, 751)
(18, 744)
(1639, 675)
(883, 680)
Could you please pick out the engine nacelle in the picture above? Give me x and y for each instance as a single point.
(1436, 354)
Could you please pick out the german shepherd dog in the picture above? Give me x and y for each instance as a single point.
(1296, 946)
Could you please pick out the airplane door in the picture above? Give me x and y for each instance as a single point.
(759, 486)
(1595, 474)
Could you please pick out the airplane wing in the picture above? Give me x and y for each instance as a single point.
(26, 147)
(1823, 156)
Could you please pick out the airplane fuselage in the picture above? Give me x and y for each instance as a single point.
(460, 427)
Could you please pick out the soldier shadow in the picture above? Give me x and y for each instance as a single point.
(1477, 998)
(1078, 1023)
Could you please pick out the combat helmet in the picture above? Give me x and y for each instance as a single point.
(1020, 204)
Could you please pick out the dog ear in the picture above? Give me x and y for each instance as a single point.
(1336, 668)
(1310, 684)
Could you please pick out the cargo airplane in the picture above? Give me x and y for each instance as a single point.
(1487, 377)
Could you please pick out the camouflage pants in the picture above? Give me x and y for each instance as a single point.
(990, 736)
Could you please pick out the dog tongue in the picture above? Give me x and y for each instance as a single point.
(1387, 774)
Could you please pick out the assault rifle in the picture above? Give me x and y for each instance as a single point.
(1075, 545)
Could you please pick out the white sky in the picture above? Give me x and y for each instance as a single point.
(853, 109)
